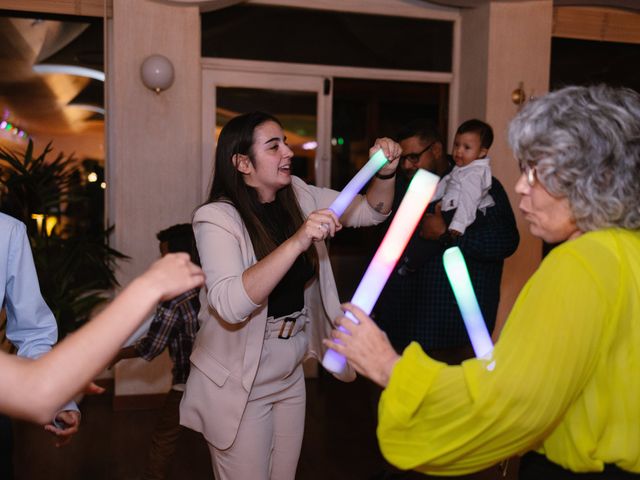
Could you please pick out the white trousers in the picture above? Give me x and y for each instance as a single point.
(269, 438)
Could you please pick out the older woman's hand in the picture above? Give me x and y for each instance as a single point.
(365, 346)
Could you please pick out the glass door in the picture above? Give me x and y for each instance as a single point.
(298, 101)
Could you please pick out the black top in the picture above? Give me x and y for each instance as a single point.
(288, 295)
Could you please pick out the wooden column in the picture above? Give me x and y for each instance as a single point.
(153, 166)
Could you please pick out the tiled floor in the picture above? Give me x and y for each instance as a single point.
(339, 442)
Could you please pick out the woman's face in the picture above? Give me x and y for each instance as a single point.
(549, 217)
(271, 169)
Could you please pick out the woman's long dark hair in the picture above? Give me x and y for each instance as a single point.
(229, 186)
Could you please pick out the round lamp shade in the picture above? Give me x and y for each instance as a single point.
(157, 72)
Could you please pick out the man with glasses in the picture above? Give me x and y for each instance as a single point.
(419, 305)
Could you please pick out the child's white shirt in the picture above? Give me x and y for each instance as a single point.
(467, 190)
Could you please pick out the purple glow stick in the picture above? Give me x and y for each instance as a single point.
(413, 205)
(348, 193)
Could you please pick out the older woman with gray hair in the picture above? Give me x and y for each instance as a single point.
(563, 382)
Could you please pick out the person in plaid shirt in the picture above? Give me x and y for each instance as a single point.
(174, 325)
(419, 304)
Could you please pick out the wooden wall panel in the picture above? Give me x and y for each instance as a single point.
(87, 8)
(591, 23)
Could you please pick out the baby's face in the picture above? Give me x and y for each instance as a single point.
(467, 147)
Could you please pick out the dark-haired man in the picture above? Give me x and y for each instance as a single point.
(419, 305)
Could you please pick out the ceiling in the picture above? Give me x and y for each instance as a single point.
(49, 104)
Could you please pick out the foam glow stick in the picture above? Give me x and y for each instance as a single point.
(348, 193)
(460, 281)
(413, 205)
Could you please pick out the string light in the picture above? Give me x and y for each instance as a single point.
(13, 129)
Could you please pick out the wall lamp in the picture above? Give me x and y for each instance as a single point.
(156, 72)
(518, 96)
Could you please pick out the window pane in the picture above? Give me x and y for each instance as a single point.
(364, 110)
(296, 110)
(587, 62)
(327, 38)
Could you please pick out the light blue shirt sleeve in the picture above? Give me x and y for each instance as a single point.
(31, 326)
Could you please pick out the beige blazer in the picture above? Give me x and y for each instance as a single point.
(228, 346)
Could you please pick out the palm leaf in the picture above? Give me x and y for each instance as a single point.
(76, 268)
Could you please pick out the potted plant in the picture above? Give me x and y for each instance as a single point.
(75, 264)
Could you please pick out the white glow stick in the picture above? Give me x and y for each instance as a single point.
(413, 205)
(348, 193)
(460, 281)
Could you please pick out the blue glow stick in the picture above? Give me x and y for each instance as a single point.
(458, 275)
(421, 189)
(348, 193)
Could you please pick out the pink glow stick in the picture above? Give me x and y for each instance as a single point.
(410, 211)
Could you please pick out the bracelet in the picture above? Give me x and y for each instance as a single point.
(387, 176)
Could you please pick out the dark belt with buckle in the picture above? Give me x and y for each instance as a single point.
(288, 324)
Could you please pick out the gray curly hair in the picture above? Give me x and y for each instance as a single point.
(585, 145)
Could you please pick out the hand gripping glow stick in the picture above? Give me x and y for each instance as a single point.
(458, 275)
(348, 193)
(414, 203)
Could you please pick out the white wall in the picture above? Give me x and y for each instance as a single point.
(153, 167)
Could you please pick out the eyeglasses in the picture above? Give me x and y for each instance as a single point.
(415, 157)
(530, 174)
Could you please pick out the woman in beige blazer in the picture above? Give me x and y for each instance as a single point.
(269, 297)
